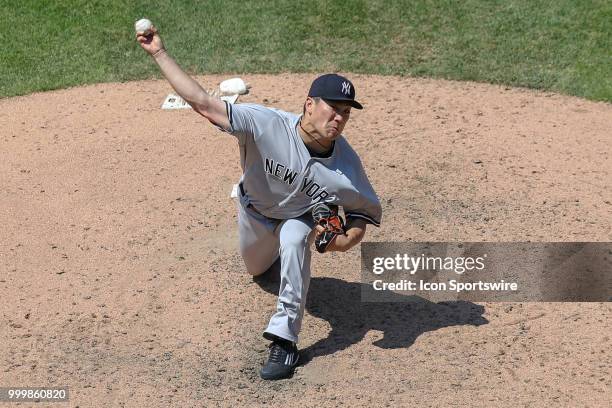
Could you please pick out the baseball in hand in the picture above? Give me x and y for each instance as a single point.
(143, 26)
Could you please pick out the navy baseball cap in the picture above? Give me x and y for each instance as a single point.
(334, 87)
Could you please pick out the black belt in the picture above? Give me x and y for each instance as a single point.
(251, 205)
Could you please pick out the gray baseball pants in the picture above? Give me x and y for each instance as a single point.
(262, 241)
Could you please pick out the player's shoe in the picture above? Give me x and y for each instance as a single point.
(283, 358)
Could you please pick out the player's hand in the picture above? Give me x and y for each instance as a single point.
(151, 43)
(355, 231)
(340, 242)
(319, 229)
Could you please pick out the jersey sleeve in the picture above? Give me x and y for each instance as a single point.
(248, 120)
(367, 205)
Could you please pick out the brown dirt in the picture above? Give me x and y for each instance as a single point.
(120, 276)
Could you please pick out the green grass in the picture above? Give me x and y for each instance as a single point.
(563, 46)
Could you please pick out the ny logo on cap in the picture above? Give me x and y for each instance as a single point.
(346, 88)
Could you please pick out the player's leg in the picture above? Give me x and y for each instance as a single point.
(259, 244)
(295, 238)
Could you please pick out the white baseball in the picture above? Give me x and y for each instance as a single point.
(143, 26)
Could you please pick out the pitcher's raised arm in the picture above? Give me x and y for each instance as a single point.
(188, 88)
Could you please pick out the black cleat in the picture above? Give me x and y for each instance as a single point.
(283, 358)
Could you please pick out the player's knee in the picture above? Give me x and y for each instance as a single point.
(255, 266)
(255, 271)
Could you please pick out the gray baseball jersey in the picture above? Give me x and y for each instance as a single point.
(283, 181)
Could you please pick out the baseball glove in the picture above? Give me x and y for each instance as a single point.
(327, 217)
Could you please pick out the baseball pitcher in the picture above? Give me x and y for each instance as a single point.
(298, 170)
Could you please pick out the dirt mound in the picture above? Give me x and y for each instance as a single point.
(121, 278)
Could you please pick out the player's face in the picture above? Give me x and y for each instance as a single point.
(330, 117)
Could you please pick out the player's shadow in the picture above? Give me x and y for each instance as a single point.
(339, 303)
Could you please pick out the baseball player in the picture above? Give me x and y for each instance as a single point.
(297, 171)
